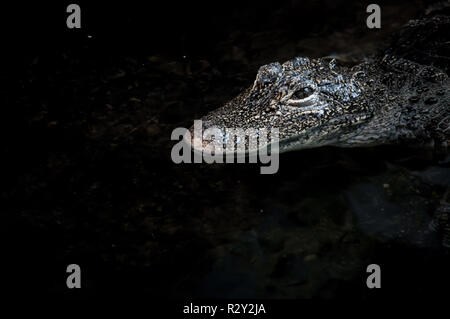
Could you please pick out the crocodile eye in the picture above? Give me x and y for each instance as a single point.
(302, 93)
(301, 97)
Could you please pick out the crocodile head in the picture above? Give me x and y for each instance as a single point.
(310, 101)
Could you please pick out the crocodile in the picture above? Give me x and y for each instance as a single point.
(401, 95)
(316, 102)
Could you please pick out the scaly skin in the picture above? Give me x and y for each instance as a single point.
(385, 100)
(315, 103)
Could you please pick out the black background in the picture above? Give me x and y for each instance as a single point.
(51, 99)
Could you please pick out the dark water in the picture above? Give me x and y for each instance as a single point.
(89, 178)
